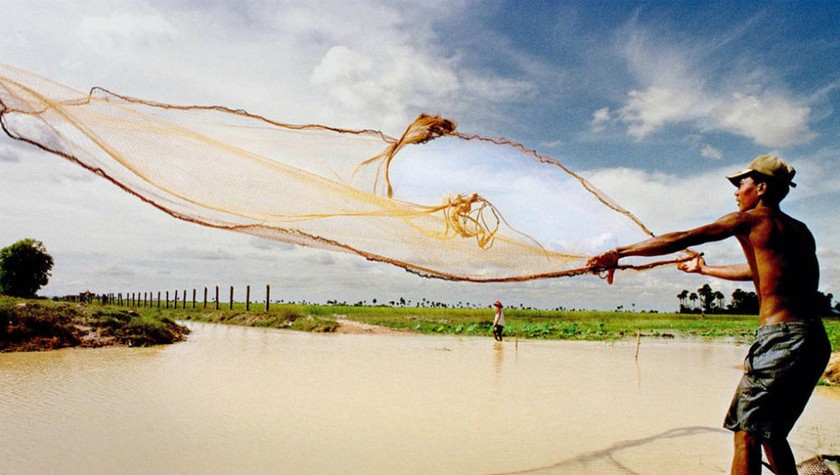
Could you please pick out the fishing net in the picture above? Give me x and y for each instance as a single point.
(433, 201)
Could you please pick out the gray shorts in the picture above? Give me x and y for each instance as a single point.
(780, 372)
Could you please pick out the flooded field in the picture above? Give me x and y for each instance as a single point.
(247, 400)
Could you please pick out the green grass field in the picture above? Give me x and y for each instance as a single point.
(524, 324)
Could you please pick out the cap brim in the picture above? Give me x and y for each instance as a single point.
(735, 178)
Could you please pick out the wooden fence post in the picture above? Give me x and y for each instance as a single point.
(193, 306)
(267, 296)
(167, 299)
(231, 297)
(158, 298)
(176, 300)
(217, 297)
(205, 297)
(184, 300)
(247, 298)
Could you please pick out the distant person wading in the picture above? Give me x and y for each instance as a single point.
(498, 321)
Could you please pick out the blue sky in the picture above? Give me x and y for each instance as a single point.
(652, 101)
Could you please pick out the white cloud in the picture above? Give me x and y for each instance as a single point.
(711, 152)
(341, 65)
(599, 119)
(7, 154)
(665, 202)
(648, 111)
(125, 31)
(675, 84)
(770, 119)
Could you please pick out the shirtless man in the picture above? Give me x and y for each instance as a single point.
(791, 348)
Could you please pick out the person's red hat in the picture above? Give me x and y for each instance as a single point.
(497, 304)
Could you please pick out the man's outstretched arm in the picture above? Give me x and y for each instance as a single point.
(730, 272)
(723, 228)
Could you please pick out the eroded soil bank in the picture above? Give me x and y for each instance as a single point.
(40, 326)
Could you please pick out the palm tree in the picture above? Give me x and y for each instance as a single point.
(682, 296)
(693, 297)
(720, 302)
(708, 297)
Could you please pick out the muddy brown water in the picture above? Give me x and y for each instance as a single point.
(247, 400)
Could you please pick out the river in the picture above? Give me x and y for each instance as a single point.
(260, 401)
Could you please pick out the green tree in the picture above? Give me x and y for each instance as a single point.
(707, 298)
(693, 297)
(683, 296)
(744, 303)
(823, 303)
(25, 267)
(720, 300)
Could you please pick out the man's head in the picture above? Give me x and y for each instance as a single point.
(497, 304)
(772, 173)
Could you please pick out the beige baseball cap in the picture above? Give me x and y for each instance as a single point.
(768, 165)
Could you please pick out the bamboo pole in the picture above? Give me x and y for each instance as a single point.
(638, 342)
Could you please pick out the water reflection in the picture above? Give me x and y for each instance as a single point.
(246, 400)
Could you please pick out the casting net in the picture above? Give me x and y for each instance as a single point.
(433, 201)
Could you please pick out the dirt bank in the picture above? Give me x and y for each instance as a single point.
(356, 328)
(40, 326)
(832, 372)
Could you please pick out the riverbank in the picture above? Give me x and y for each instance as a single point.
(40, 325)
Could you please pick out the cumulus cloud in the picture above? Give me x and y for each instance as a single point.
(387, 80)
(673, 86)
(648, 111)
(769, 119)
(667, 202)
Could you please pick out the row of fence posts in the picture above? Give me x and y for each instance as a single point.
(147, 299)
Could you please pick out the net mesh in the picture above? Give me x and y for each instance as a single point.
(433, 201)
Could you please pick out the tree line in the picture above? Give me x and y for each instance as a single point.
(708, 300)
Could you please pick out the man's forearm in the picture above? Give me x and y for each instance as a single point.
(656, 246)
(731, 272)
